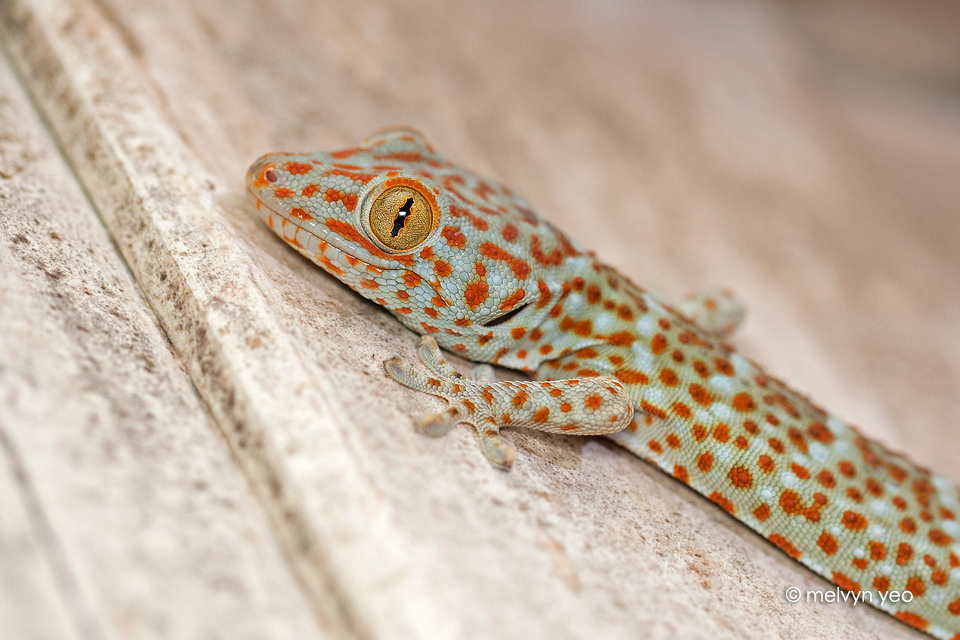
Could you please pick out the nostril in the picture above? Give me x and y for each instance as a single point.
(269, 175)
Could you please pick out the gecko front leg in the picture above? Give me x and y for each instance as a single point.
(594, 406)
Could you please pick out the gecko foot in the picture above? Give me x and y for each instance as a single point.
(591, 406)
(716, 311)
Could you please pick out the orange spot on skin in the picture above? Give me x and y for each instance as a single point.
(765, 463)
(791, 503)
(799, 471)
(593, 402)
(912, 619)
(652, 409)
(300, 214)
(898, 473)
(512, 301)
(701, 368)
(939, 578)
(681, 410)
(621, 339)
(825, 478)
(669, 377)
(700, 395)
(454, 237)
(673, 441)
(881, 583)
(680, 473)
(442, 268)
(520, 398)
(346, 231)
(310, 190)
(904, 553)
(655, 446)
(785, 545)
(298, 168)
(541, 415)
(828, 543)
(743, 402)
(283, 193)
(658, 344)
(908, 526)
(854, 521)
(797, 439)
(705, 461)
(346, 153)
(740, 477)
(877, 551)
(819, 432)
(593, 294)
(724, 503)
(844, 582)
(724, 366)
(939, 538)
(475, 293)
(631, 376)
(566, 408)
(509, 232)
(762, 512)
(721, 433)
(536, 250)
(916, 586)
(847, 469)
(776, 445)
(544, 291)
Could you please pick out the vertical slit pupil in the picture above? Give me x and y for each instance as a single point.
(401, 217)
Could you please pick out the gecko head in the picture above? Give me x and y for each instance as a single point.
(435, 243)
(355, 200)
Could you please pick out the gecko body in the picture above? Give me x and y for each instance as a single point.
(467, 263)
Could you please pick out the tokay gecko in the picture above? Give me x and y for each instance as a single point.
(467, 263)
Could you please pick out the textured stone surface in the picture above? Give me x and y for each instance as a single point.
(690, 144)
(123, 514)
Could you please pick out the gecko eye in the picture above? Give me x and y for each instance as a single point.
(402, 215)
(269, 175)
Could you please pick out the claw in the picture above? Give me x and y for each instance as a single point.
(498, 451)
(436, 425)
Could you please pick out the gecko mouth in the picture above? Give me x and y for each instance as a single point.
(507, 317)
(320, 230)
